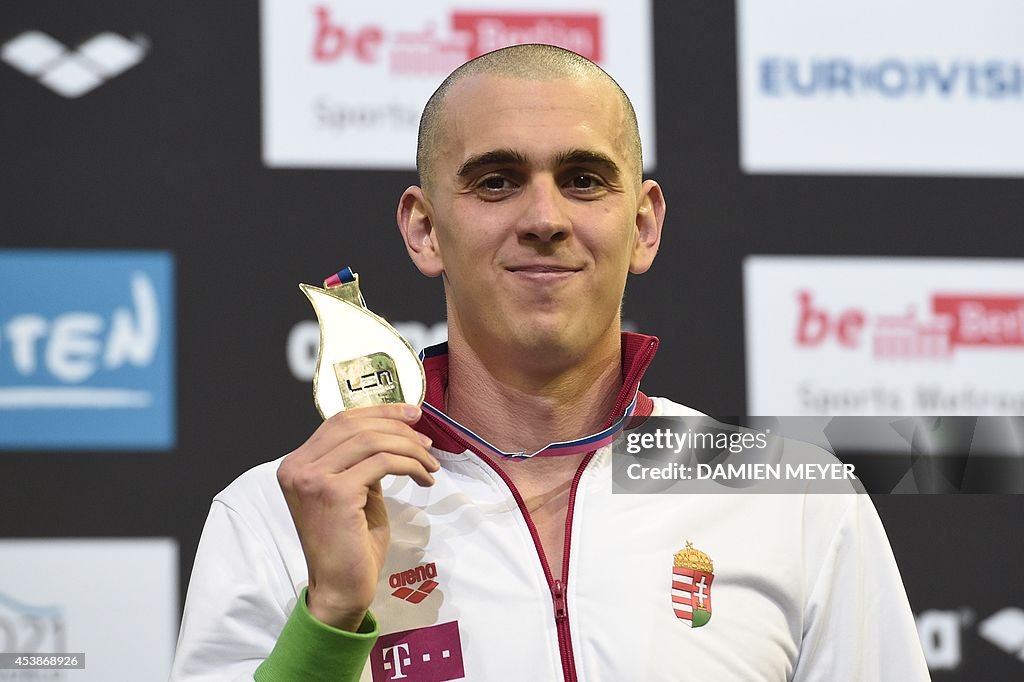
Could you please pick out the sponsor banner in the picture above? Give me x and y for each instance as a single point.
(86, 349)
(344, 83)
(117, 605)
(884, 336)
(943, 632)
(881, 87)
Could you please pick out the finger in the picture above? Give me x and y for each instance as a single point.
(365, 444)
(410, 414)
(349, 430)
(372, 469)
(331, 434)
(310, 465)
(310, 488)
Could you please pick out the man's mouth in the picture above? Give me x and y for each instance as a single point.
(544, 273)
(543, 268)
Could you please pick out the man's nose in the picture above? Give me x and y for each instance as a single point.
(544, 217)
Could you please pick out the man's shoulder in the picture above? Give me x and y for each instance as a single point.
(256, 488)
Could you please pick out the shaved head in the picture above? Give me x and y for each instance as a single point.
(525, 62)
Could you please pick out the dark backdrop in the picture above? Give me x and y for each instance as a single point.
(167, 156)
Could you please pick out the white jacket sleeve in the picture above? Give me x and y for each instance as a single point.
(237, 603)
(857, 621)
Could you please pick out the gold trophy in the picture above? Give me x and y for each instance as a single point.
(363, 360)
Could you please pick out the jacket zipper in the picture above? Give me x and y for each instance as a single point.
(558, 587)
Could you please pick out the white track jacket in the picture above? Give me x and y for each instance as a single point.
(803, 587)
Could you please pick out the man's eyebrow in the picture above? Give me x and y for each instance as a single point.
(587, 157)
(495, 157)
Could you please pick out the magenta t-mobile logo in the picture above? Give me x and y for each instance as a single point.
(432, 654)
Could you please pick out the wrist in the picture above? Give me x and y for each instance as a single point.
(334, 612)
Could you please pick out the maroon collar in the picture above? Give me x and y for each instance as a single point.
(637, 352)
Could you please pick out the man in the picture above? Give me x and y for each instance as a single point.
(419, 525)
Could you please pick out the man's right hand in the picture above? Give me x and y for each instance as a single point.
(332, 486)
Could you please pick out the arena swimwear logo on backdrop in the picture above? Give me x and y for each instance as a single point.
(73, 72)
(943, 633)
(1005, 629)
(86, 349)
(692, 575)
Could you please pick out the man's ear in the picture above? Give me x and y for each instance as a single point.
(650, 217)
(416, 223)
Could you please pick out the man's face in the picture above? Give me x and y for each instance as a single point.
(533, 208)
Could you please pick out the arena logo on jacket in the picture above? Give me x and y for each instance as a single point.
(430, 654)
(414, 584)
(692, 575)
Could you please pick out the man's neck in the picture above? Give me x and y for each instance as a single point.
(521, 408)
